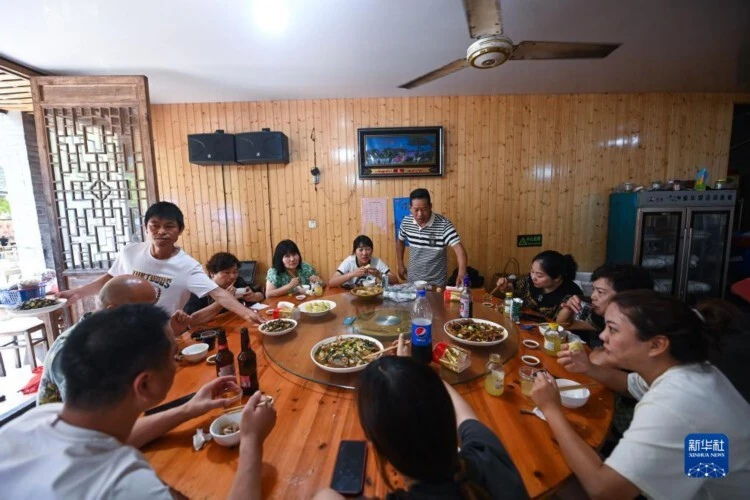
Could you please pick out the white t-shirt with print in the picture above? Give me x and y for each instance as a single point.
(43, 457)
(350, 264)
(686, 399)
(174, 278)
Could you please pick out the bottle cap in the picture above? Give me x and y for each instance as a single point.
(421, 292)
(495, 358)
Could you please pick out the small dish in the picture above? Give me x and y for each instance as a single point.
(530, 360)
(531, 344)
(218, 425)
(420, 284)
(301, 297)
(269, 311)
(575, 398)
(194, 353)
(211, 360)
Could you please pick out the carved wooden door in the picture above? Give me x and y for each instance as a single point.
(95, 148)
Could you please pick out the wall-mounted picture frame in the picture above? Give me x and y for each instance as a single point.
(400, 152)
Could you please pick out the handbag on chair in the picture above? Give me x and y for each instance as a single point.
(511, 271)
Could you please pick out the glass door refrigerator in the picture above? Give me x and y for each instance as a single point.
(682, 237)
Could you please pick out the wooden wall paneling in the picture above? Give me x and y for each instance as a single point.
(514, 165)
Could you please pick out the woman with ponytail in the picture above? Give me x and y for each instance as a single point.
(416, 422)
(548, 285)
(666, 345)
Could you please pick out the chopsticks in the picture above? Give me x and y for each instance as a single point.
(388, 349)
(168, 406)
(234, 409)
(574, 387)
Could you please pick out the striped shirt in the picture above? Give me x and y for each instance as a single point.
(428, 258)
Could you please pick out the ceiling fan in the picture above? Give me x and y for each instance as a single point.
(492, 48)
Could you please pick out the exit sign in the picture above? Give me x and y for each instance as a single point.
(529, 240)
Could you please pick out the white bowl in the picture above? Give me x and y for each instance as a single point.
(239, 292)
(304, 307)
(575, 398)
(530, 360)
(531, 344)
(350, 369)
(227, 440)
(420, 284)
(369, 282)
(262, 327)
(196, 352)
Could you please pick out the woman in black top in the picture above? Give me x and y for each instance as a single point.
(223, 268)
(416, 422)
(549, 282)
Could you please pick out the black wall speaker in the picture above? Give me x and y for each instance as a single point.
(211, 149)
(262, 147)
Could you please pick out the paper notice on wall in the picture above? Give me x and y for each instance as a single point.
(373, 214)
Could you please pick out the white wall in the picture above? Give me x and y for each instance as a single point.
(15, 162)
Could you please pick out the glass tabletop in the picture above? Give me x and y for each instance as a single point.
(383, 320)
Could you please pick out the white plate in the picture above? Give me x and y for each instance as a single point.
(42, 310)
(280, 332)
(303, 307)
(471, 342)
(351, 369)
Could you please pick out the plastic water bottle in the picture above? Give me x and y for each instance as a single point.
(421, 329)
(384, 282)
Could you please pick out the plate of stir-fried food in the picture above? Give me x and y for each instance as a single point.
(33, 307)
(345, 353)
(277, 327)
(477, 332)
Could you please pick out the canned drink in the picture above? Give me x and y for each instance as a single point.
(585, 312)
(515, 310)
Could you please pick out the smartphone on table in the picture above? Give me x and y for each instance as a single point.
(349, 472)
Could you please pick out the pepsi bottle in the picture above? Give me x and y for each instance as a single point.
(421, 329)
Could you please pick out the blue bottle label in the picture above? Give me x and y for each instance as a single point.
(421, 334)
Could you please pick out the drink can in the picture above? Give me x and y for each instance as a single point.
(585, 312)
(515, 310)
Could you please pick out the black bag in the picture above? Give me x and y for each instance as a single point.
(476, 279)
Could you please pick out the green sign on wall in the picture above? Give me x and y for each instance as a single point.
(529, 240)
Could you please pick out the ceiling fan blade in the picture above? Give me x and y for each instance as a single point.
(483, 17)
(438, 73)
(562, 50)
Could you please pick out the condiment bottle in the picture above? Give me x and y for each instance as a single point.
(552, 343)
(494, 381)
(508, 303)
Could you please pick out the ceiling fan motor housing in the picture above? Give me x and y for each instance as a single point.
(489, 52)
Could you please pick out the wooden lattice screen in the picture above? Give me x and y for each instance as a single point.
(97, 159)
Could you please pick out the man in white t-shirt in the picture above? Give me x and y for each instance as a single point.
(173, 273)
(117, 363)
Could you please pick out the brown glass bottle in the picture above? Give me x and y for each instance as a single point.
(224, 358)
(248, 364)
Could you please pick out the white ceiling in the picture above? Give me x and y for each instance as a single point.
(202, 50)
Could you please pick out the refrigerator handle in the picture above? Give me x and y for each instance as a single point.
(685, 266)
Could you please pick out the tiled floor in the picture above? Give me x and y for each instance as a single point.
(15, 379)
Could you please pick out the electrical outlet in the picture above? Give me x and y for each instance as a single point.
(312, 224)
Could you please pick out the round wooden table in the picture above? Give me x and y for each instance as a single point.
(312, 417)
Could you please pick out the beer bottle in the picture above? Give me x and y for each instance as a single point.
(248, 364)
(224, 358)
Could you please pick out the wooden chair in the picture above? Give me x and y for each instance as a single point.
(22, 327)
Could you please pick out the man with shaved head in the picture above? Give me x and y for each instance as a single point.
(120, 291)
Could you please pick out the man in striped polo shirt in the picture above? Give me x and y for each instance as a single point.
(428, 234)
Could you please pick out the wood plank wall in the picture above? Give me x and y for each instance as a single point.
(514, 165)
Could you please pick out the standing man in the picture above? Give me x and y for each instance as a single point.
(173, 273)
(428, 234)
